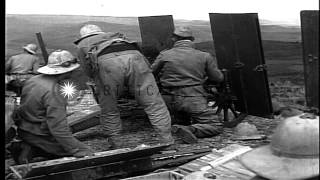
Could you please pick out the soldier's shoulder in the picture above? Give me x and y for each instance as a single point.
(167, 51)
(16, 56)
(205, 53)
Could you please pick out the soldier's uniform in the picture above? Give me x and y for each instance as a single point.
(26, 62)
(124, 66)
(41, 118)
(21, 64)
(182, 72)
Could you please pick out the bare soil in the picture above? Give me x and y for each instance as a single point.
(137, 130)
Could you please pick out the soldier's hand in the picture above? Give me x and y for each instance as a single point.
(83, 153)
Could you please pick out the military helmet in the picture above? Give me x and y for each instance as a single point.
(59, 62)
(32, 48)
(293, 152)
(183, 31)
(297, 135)
(89, 29)
(246, 131)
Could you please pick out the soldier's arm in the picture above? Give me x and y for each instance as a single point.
(58, 125)
(85, 65)
(8, 65)
(214, 74)
(157, 64)
(36, 65)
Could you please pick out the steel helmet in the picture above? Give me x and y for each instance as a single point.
(293, 152)
(59, 62)
(246, 131)
(89, 29)
(32, 48)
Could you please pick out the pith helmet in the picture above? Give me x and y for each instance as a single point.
(293, 152)
(88, 30)
(59, 62)
(183, 31)
(32, 48)
(246, 131)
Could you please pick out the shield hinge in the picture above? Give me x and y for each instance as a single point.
(260, 67)
(238, 65)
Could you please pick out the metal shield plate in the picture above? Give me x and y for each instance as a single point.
(238, 47)
(155, 34)
(310, 46)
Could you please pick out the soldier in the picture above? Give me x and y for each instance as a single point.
(119, 65)
(182, 72)
(26, 62)
(22, 64)
(41, 117)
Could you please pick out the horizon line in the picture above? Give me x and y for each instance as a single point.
(272, 22)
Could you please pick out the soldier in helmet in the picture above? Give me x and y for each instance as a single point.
(41, 118)
(25, 62)
(182, 72)
(21, 64)
(122, 65)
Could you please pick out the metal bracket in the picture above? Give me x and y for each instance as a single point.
(312, 58)
(238, 65)
(260, 68)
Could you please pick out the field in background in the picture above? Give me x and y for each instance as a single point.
(281, 44)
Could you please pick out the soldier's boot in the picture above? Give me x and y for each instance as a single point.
(115, 142)
(21, 152)
(166, 138)
(185, 133)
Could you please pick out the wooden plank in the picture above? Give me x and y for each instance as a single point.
(69, 164)
(84, 119)
(155, 34)
(310, 46)
(112, 170)
(231, 170)
(238, 47)
(167, 175)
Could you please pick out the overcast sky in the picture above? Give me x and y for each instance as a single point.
(275, 10)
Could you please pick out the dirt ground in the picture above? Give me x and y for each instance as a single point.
(286, 91)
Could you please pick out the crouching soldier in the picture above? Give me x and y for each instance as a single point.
(24, 64)
(41, 118)
(119, 64)
(182, 72)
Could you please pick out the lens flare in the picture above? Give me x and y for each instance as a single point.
(68, 90)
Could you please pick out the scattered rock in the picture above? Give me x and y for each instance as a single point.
(288, 112)
(277, 106)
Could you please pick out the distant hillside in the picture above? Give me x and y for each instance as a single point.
(273, 50)
(60, 31)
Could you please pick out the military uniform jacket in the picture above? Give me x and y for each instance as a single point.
(184, 69)
(43, 113)
(22, 64)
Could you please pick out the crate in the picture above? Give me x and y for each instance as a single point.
(166, 175)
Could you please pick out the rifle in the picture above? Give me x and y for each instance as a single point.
(225, 100)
